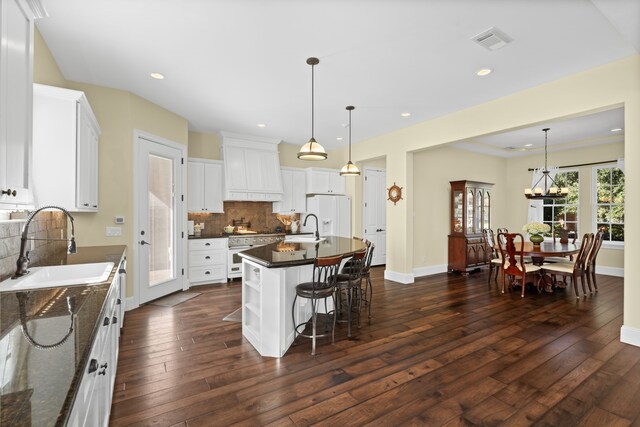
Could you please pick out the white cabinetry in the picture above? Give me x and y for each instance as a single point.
(251, 168)
(16, 75)
(294, 185)
(205, 186)
(65, 146)
(92, 404)
(325, 181)
(208, 260)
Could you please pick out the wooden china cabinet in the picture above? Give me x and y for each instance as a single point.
(470, 214)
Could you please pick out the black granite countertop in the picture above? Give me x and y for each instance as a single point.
(39, 385)
(286, 254)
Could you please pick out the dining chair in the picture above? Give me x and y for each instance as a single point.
(591, 260)
(511, 247)
(495, 259)
(574, 269)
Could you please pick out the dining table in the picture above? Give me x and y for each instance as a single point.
(547, 249)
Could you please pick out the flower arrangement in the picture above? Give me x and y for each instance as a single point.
(536, 228)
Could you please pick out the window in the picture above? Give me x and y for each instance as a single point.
(609, 202)
(563, 213)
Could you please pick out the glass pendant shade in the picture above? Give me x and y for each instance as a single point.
(546, 187)
(312, 150)
(350, 169)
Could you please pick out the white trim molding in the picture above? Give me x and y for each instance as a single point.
(610, 271)
(629, 335)
(405, 278)
(130, 303)
(429, 270)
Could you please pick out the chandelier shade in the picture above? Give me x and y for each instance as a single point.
(546, 187)
(350, 169)
(312, 150)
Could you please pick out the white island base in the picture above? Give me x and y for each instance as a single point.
(267, 298)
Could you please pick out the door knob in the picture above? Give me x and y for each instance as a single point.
(142, 242)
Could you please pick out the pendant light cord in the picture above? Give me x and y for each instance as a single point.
(312, 106)
(349, 135)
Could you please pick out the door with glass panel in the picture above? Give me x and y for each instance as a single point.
(159, 219)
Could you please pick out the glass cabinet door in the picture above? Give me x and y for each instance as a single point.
(457, 211)
(486, 210)
(470, 210)
(478, 213)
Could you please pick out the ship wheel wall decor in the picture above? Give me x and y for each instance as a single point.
(395, 193)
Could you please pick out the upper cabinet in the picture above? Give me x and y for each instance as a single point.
(325, 181)
(16, 76)
(65, 146)
(294, 199)
(205, 186)
(251, 168)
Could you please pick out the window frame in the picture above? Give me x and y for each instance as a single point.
(609, 244)
(577, 205)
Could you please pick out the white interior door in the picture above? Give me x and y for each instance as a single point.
(375, 214)
(160, 219)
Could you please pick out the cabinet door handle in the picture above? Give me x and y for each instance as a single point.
(103, 372)
(118, 302)
(114, 320)
(207, 244)
(207, 257)
(207, 272)
(106, 321)
(9, 192)
(104, 366)
(93, 366)
(95, 206)
(85, 204)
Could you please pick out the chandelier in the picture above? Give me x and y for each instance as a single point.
(546, 187)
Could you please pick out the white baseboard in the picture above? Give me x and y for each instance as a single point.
(630, 335)
(130, 304)
(395, 276)
(429, 270)
(610, 271)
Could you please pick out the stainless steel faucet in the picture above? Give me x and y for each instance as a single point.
(317, 227)
(23, 259)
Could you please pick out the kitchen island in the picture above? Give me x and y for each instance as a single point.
(270, 274)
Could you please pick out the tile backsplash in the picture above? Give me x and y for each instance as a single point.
(46, 225)
(259, 214)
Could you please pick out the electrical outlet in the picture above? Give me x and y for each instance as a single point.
(113, 231)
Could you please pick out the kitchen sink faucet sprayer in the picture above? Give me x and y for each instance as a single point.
(317, 227)
(23, 260)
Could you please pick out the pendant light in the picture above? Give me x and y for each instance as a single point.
(350, 169)
(312, 150)
(550, 189)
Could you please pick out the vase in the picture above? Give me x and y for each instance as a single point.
(536, 239)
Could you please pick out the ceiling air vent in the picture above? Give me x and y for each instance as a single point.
(492, 39)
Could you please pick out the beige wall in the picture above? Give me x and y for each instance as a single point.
(204, 145)
(118, 113)
(612, 85)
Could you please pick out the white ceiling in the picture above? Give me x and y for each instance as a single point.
(231, 64)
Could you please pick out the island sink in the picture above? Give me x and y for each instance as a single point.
(59, 275)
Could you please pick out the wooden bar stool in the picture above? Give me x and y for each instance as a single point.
(321, 287)
(351, 284)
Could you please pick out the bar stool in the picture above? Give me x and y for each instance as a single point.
(366, 273)
(351, 283)
(321, 287)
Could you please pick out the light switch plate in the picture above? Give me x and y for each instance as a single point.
(114, 231)
(119, 220)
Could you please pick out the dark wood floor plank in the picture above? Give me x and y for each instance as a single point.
(446, 350)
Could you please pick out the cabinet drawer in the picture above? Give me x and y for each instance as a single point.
(207, 258)
(207, 274)
(206, 244)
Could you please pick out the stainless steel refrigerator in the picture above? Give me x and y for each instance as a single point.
(334, 215)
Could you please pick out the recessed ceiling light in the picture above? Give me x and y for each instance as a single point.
(616, 129)
(484, 72)
(405, 114)
(157, 76)
(262, 125)
(528, 145)
(339, 138)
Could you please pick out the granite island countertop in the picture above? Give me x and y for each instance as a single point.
(288, 254)
(39, 385)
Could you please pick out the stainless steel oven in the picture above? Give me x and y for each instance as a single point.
(244, 242)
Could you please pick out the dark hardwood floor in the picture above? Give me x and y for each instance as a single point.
(446, 350)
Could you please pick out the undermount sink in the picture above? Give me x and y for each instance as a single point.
(59, 275)
(303, 239)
